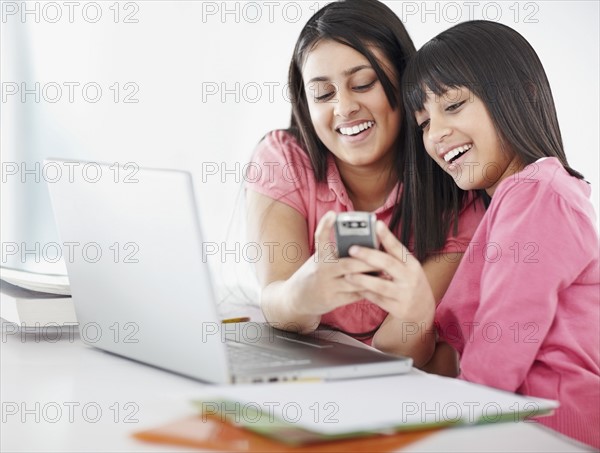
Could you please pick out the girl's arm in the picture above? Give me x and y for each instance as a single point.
(297, 288)
(444, 361)
(413, 337)
(543, 245)
(405, 292)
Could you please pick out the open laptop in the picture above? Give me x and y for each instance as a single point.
(142, 289)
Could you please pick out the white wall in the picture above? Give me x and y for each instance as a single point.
(178, 53)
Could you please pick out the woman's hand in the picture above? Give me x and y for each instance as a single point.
(319, 286)
(402, 289)
(296, 292)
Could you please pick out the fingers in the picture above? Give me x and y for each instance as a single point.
(351, 266)
(376, 260)
(339, 292)
(383, 293)
(324, 247)
(391, 244)
(393, 260)
(342, 299)
(375, 298)
(381, 287)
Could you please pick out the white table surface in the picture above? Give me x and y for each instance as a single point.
(60, 395)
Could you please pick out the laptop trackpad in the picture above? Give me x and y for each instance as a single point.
(264, 335)
(304, 342)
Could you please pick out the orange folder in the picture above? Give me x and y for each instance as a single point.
(210, 433)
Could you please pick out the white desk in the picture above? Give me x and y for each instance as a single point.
(64, 396)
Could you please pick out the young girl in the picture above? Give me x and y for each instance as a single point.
(344, 152)
(523, 309)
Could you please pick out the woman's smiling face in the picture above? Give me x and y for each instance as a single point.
(348, 105)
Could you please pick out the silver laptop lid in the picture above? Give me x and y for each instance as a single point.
(141, 287)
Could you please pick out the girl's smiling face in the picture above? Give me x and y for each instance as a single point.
(459, 134)
(348, 105)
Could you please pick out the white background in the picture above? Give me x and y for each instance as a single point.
(209, 78)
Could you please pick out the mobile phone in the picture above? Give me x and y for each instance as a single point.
(355, 228)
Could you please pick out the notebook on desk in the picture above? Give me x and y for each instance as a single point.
(142, 288)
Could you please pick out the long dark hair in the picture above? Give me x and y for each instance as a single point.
(357, 24)
(501, 68)
(361, 25)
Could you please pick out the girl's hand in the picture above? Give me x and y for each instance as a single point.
(319, 286)
(402, 288)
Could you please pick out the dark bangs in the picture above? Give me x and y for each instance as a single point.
(435, 68)
(499, 66)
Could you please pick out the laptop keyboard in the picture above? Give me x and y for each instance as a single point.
(244, 357)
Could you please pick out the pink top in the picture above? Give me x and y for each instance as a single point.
(281, 169)
(523, 309)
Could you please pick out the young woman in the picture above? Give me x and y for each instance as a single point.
(523, 309)
(344, 151)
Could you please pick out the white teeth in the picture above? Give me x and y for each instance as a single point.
(356, 129)
(456, 151)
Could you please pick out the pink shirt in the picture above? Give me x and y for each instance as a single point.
(523, 309)
(281, 169)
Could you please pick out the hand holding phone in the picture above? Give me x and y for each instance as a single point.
(355, 228)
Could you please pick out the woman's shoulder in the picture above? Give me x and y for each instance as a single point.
(544, 182)
(281, 145)
(283, 137)
(280, 166)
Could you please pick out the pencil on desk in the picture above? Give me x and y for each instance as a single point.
(232, 320)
